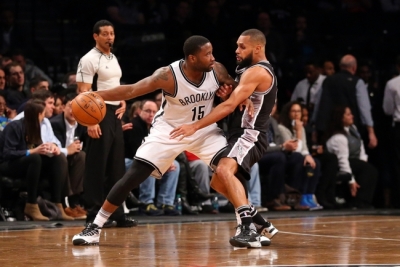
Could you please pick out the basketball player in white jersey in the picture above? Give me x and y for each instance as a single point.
(246, 134)
(189, 87)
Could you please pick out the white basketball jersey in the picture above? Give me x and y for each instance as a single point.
(190, 102)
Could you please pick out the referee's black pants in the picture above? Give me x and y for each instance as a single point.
(104, 164)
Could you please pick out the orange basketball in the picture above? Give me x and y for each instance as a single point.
(88, 108)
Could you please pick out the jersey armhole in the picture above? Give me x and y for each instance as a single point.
(175, 84)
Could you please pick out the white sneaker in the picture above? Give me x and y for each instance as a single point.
(88, 237)
(267, 230)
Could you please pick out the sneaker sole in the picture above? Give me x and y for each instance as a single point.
(265, 241)
(82, 242)
(238, 244)
(270, 234)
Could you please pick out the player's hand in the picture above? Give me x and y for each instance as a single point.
(182, 131)
(354, 188)
(127, 126)
(247, 104)
(224, 91)
(94, 131)
(119, 112)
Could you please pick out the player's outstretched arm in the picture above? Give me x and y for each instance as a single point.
(248, 83)
(160, 79)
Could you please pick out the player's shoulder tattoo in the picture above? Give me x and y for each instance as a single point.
(222, 73)
(161, 74)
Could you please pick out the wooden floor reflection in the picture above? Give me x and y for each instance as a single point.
(362, 240)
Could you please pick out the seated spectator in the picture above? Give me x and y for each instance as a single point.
(38, 83)
(58, 105)
(291, 127)
(69, 133)
(30, 69)
(2, 79)
(168, 183)
(15, 77)
(201, 173)
(345, 141)
(25, 154)
(326, 187)
(254, 188)
(279, 161)
(4, 120)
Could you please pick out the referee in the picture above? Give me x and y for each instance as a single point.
(105, 145)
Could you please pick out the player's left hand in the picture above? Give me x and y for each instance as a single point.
(119, 112)
(182, 131)
(247, 104)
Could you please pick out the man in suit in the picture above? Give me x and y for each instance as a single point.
(279, 158)
(69, 133)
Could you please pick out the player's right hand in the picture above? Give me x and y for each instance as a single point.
(94, 131)
(224, 91)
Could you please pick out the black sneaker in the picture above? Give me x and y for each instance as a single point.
(151, 210)
(88, 237)
(245, 237)
(170, 210)
(126, 222)
(267, 230)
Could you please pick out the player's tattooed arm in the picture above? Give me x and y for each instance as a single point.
(161, 74)
(223, 75)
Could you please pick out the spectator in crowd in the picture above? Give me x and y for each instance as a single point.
(279, 162)
(58, 105)
(291, 127)
(4, 120)
(25, 154)
(69, 133)
(158, 99)
(11, 35)
(69, 79)
(168, 183)
(15, 85)
(30, 69)
(346, 143)
(179, 28)
(201, 173)
(328, 68)
(2, 79)
(391, 106)
(326, 187)
(308, 89)
(4, 61)
(37, 83)
(345, 89)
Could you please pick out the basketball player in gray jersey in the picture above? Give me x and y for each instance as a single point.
(189, 87)
(246, 135)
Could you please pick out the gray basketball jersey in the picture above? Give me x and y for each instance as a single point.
(190, 102)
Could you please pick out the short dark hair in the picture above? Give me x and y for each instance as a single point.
(42, 95)
(255, 35)
(99, 24)
(36, 80)
(193, 44)
(7, 68)
(68, 97)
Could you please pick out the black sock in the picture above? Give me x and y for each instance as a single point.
(257, 218)
(73, 201)
(245, 215)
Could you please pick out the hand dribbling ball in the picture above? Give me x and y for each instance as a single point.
(88, 108)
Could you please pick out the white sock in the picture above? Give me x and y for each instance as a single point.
(101, 217)
(238, 220)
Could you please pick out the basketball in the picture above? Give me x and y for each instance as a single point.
(88, 108)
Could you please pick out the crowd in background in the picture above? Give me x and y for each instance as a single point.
(331, 139)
